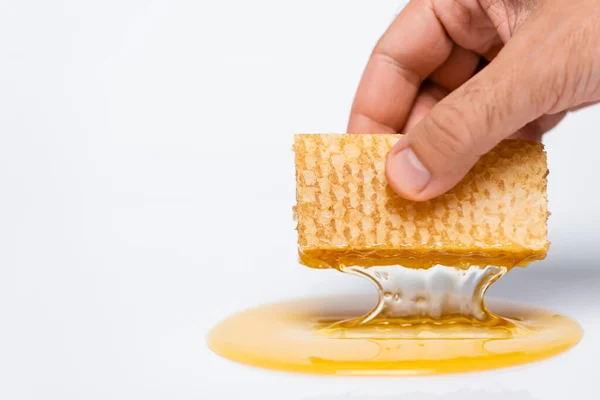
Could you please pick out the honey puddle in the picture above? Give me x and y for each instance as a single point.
(425, 321)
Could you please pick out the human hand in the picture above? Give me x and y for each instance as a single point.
(422, 79)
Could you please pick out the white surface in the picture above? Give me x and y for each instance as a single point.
(146, 188)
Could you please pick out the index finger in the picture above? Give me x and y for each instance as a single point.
(412, 48)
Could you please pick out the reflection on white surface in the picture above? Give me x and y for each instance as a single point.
(459, 395)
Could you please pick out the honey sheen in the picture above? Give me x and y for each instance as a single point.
(428, 321)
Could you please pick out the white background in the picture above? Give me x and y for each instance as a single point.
(146, 186)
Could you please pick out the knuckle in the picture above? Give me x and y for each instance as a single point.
(384, 55)
(485, 105)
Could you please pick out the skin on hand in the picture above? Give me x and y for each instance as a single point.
(540, 58)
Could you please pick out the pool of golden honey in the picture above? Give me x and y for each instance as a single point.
(307, 336)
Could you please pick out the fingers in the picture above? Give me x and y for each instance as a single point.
(414, 46)
(470, 26)
(457, 69)
(439, 151)
(430, 94)
(417, 44)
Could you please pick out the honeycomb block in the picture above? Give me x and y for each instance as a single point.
(348, 215)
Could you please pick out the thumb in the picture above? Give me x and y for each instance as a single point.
(441, 149)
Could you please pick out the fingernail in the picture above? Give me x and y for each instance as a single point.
(408, 172)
